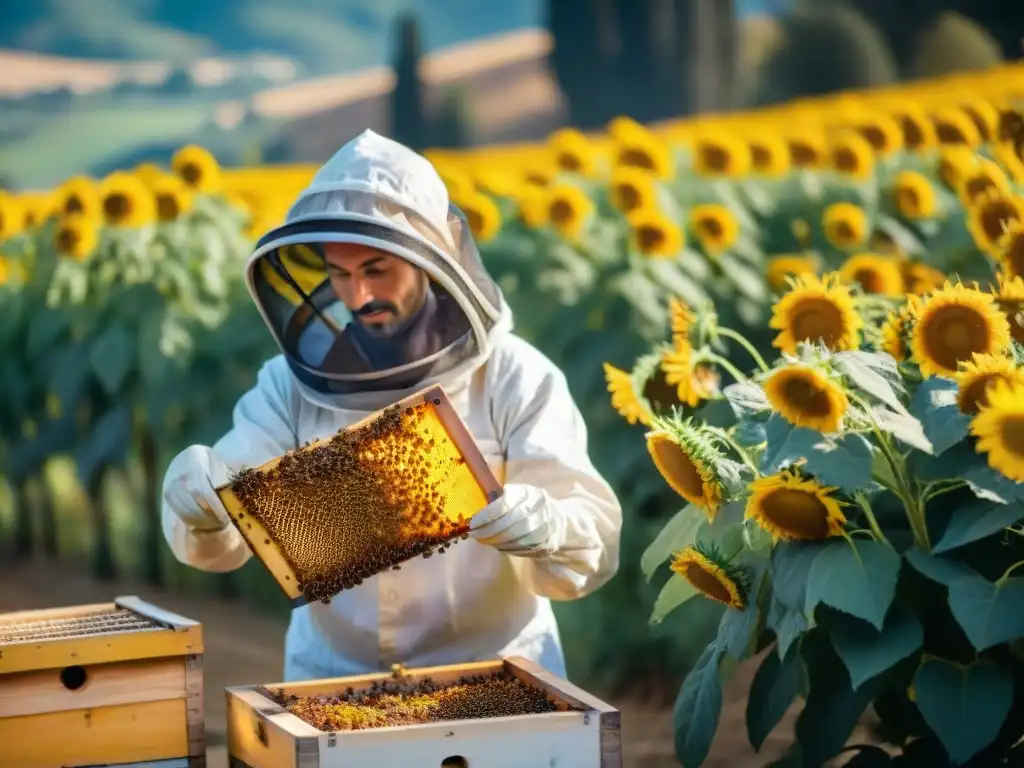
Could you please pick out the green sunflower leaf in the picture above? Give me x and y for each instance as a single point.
(676, 591)
(934, 405)
(678, 533)
(775, 687)
(855, 577)
(698, 708)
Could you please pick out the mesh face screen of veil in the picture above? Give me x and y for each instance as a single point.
(403, 482)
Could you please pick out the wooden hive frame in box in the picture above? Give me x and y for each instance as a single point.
(267, 551)
(111, 684)
(262, 734)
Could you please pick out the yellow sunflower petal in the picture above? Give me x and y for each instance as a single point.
(816, 310)
(999, 427)
(806, 397)
(792, 508)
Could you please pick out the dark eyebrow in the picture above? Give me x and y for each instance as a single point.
(371, 261)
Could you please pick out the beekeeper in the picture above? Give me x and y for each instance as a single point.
(373, 289)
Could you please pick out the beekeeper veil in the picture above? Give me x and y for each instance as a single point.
(378, 194)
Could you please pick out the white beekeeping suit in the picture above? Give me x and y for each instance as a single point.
(554, 535)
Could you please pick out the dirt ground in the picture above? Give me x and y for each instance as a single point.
(244, 647)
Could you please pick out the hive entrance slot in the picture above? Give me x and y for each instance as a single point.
(455, 761)
(73, 678)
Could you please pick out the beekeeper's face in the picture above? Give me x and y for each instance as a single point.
(382, 291)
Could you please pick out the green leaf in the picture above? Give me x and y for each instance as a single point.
(112, 357)
(747, 399)
(44, 328)
(678, 533)
(876, 374)
(869, 757)
(844, 463)
(831, 712)
(903, 427)
(989, 613)
(976, 520)
(856, 577)
(788, 624)
(965, 706)
(737, 629)
(676, 591)
(748, 282)
(774, 688)
(866, 652)
(790, 569)
(934, 405)
(698, 708)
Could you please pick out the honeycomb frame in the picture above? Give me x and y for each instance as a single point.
(268, 552)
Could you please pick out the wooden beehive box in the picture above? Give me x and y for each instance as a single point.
(262, 734)
(111, 684)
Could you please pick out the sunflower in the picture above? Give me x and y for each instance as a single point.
(198, 168)
(807, 149)
(953, 324)
(769, 156)
(126, 201)
(806, 397)
(174, 198)
(654, 234)
(801, 232)
(539, 177)
(984, 116)
(574, 152)
(656, 395)
(721, 155)
(625, 129)
(532, 207)
(632, 189)
(781, 268)
(999, 427)
(914, 195)
(624, 397)
(920, 278)
(991, 217)
(148, 172)
(895, 330)
(816, 309)
(846, 225)
(954, 126)
(716, 227)
(36, 209)
(791, 507)
(977, 376)
(1010, 252)
(712, 575)
(954, 163)
(692, 382)
(883, 133)
(918, 130)
(482, 214)
(76, 236)
(987, 177)
(1010, 157)
(681, 317)
(875, 273)
(851, 154)
(498, 182)
(458, 183)
(568, 210)
(79, 195)
(1009, 296)
(6, 271)
(12, 216)
(687, 459)
(648, 154)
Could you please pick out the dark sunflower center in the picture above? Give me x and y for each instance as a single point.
(760, 157)
(1014, 255)
(537, 178)
(975, 186)
(799, 513)
(844, 232)
(907, 199)
(875, 136)
(913, 136)
(975, 394)
(814, 319)
(846, 160)
(628, 196)
(637, 158)
(569, 162)
(660, 394)
(711, 228)
(167, 207)
(680, 468)
(996, 216)
(74, 204)
(955, 333)
(68, 239)
(650, 238)
(1013, 435)
(979, 123)
(192, 174)
(949, 133)
(871, 280)
(117, 206)
(715, 158)
(562, 212)
(802, 154)
(806, 396)
(708, 583)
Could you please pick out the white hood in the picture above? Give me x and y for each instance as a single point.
(379, 193)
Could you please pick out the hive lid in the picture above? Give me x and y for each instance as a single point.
(400, 483)
(128, 628)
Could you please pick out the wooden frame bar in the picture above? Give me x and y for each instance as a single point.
(267, 551)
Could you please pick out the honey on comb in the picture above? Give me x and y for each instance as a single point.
(364, 501)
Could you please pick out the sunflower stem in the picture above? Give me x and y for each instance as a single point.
(869, 515)
(1008, 572)
(725, 438)
(731, 369)
(750, 348)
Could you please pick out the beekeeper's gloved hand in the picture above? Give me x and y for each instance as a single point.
(519, 523)
(190, 489)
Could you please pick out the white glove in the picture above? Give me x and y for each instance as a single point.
(190, 490)
(518, 523)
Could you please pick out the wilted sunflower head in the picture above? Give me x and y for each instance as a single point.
(482, 215)
(769, 156)
(625, 399)
(883, 133)
(985, 177)
(655, 234)
(12, 216)
(851, 155)
(198, 168)
(918, 130)
(953, 324)
(954, 163)
(1009, 296)
(816, 309)
(632, 189)
(992, 216)
(688, 460)
(807, 148)
(76, 236)
(955, 126)
(792, 507)
(569, 209)
(174, 198)
(981, 372)
(914, 195)
(721, 154)
(999, 427)
(875, 273)
(807, 396)
(984, 116)
(79, 195)
(574, 152)
(713, 575)
(126, 200)
(682, 370)
(920, 278)
(1010, 250)
(846, 225)
(715, 226)
(781, 269)
(649, 154)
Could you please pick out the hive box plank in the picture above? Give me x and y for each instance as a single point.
(268, 552)
(262, 734)
(110, 684)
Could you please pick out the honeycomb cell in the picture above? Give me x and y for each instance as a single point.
(364, 501)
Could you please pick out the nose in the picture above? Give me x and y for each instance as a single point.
(359, 293)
